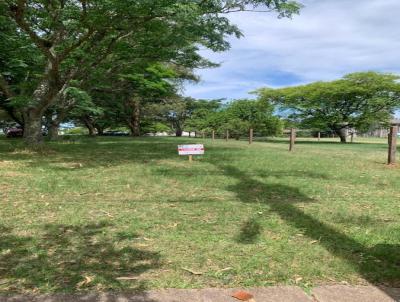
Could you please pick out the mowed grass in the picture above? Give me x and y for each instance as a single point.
(130, 214)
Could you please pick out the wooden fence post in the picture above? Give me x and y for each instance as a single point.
(292, 139)
(213, 135)
(250, 136)
(392, 145)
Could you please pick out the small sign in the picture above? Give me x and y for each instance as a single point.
(191, 149)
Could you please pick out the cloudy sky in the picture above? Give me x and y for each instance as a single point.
(327, 40)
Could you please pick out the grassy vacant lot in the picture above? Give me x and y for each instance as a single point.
(123, 213)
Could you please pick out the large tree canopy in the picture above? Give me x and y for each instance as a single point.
(358, 100)
(63, 39)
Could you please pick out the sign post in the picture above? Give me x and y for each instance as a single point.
(191, 150)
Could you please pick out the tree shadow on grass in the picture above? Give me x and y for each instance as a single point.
(379, 264)
(69, 258)
(97, 152)
(90, 153)
(249, 232)
(196, 171)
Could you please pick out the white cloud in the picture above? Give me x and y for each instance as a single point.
(327, 40)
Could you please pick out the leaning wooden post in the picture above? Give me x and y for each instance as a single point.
(250, 136)
(292, 139)
(227, 135)
(392, 145)
(213, 135)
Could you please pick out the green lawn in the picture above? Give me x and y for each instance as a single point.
(81, 214)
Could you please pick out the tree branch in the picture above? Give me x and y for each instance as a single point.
(75, 45)
(17, 13)
(5, 88)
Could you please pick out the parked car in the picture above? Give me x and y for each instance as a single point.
(14, 132)
(115, 133)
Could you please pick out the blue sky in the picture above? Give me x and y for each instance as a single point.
(327, 40)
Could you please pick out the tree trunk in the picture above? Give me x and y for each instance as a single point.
(135, 131)
(178, 132)
(44, 95)
(342, 133)
(91, 129)
(53, 131)
(100, 130)
(33, 127)
(89, 125)
(130, 126)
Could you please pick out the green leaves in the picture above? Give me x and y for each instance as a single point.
(236, 117)
(357, 100)
(257, 115)
(20, 101)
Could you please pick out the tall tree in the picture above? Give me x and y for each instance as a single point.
(198, 113)
(357, 100)
(257, 114)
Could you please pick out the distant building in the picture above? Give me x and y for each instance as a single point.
(395, 121)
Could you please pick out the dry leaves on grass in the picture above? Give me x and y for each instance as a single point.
(225, 269)
(2, 282)
(86, 281)
(192, 271)
(127, 278)
(69, 165)
(171, 226)
(106, 213)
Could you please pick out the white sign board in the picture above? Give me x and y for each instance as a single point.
(191, 149)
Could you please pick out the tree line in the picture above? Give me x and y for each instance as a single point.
(357, 102)
(101, 61)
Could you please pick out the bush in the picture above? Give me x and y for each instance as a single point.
(76, 131)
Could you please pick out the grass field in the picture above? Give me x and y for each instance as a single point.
(123, 213)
